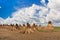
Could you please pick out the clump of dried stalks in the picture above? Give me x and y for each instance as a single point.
(26, 28)
(49, 26)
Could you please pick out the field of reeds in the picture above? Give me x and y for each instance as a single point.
(29, 32)
(15, 32)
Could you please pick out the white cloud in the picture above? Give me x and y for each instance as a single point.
(1, 20)
(54, 13)
(29, 14)
(54, 4)
(43, 2)
(0, 7)
(37, 14)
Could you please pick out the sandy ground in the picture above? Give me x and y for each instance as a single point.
(7, 35)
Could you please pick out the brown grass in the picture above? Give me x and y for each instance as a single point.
(6, 34)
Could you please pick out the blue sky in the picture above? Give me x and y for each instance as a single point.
(39, 11)
(8, 6)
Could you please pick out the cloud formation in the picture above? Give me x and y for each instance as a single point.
(0, 7)
(33, 14)
(54, 12)
(36, 14)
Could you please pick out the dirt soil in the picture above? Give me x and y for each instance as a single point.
(8, 35)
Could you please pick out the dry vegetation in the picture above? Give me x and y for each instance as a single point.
(28, 32)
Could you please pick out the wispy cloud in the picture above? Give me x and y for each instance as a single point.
(0, 7)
